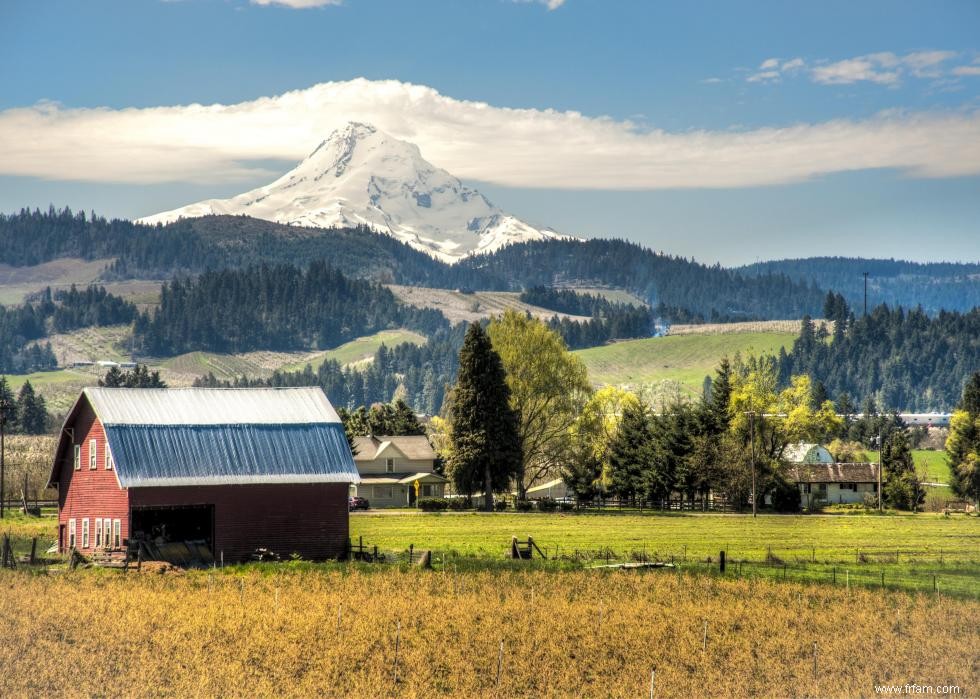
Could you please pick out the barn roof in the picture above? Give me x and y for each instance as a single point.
(834, 473)
(215, 436)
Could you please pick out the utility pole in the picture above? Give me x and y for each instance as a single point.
(880, 445)
(752, 441)
(5, 407)
(865, 293)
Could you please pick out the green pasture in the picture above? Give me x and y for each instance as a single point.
(358, 350)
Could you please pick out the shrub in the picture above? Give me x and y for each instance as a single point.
(566, 506)
(500, 505)
(523, 505)
(547, 505)
(786, 497)
(433, 504)
(459, 504)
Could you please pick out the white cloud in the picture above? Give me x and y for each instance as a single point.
(298, 4)
(967, 70)
(550, 4)
(884, 68)
(854, 70)
(772, 69)
(515, 147)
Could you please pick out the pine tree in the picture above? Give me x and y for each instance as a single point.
(32, 414)
(963, 442)
(630, 452)
(485, 448)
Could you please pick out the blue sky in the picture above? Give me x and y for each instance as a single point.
(892, 88)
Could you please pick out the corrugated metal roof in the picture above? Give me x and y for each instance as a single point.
(211, 406)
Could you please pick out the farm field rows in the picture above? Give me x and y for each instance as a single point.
(294, 630)
(686, 359)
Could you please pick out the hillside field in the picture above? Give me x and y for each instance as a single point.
(686, 359)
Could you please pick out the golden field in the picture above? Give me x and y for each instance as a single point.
(298, 630)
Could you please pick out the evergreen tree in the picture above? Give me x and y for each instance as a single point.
(485, 446)
(32, 414)
(963, 443)
(630, 452)
(900, 488)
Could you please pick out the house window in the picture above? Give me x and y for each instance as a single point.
(92, 453)
(71, 533)
(427, 491)
(98, 532)
(389, 465)
(116, 533)
(78, 456)
(109, 463)
(806, 487)
(822, 488)
(85, 533)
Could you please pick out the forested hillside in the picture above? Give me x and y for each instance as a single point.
(934, 286)
(712, 293)
(903, 359)
(273, 307)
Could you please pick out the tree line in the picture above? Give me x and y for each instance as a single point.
(900, 358)
(274, 307)
(22, 327)
(522, 411)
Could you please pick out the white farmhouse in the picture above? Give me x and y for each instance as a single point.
(390, 468)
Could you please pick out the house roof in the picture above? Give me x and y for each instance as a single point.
(202, 436)
(416, 448)
(402, 478)
(834, 473)
(802, 453)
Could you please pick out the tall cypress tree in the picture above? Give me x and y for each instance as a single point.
(486, 450)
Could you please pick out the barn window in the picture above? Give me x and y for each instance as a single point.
(71, 533)
(98, 532)
(78, 456)
(85, 533)
(109, 463)
(107, 532)
(92, 453)
(390, 465)
(116, 533)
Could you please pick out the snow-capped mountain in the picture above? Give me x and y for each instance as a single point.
(361, 175)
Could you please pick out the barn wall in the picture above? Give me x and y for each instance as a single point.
(309, 519)
(87, 493)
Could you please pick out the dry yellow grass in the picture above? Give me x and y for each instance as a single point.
(584, 633)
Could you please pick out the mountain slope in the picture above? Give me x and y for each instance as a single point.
(363, 177)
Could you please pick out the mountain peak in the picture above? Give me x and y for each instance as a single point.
(362, 176)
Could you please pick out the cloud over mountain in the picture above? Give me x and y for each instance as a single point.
(546, 148)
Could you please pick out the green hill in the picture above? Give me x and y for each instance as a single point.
(685, 359)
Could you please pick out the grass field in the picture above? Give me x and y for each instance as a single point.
(458, 306)
(359, 350)
(686, 359)
(16, 283)
(930, 465)
(294, 630)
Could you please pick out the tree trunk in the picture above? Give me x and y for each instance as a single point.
(487, 489)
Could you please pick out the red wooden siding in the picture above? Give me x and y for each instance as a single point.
(89, 493)
(309, 518)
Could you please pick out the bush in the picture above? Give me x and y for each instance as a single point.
(566, 506)
(500, 505)
(459, 504)
(547, 505)
(786, 497)
(523, 505)
(433, 504)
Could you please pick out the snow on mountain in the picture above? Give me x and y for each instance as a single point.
(362, 176)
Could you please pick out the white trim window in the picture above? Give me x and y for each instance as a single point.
(98, 532)
(389, 465)
(116, 533)
(71, 533)
(110, 463)
(78, 457)
(93, 453)
(107, 532)
(85, 532)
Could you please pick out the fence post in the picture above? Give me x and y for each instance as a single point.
(398, 634)
(653, 681)
(721, 561)
(411, 553)
(500, 663)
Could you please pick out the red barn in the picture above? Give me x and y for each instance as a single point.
(239, 469)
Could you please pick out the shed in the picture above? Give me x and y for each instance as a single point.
(237, 469)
